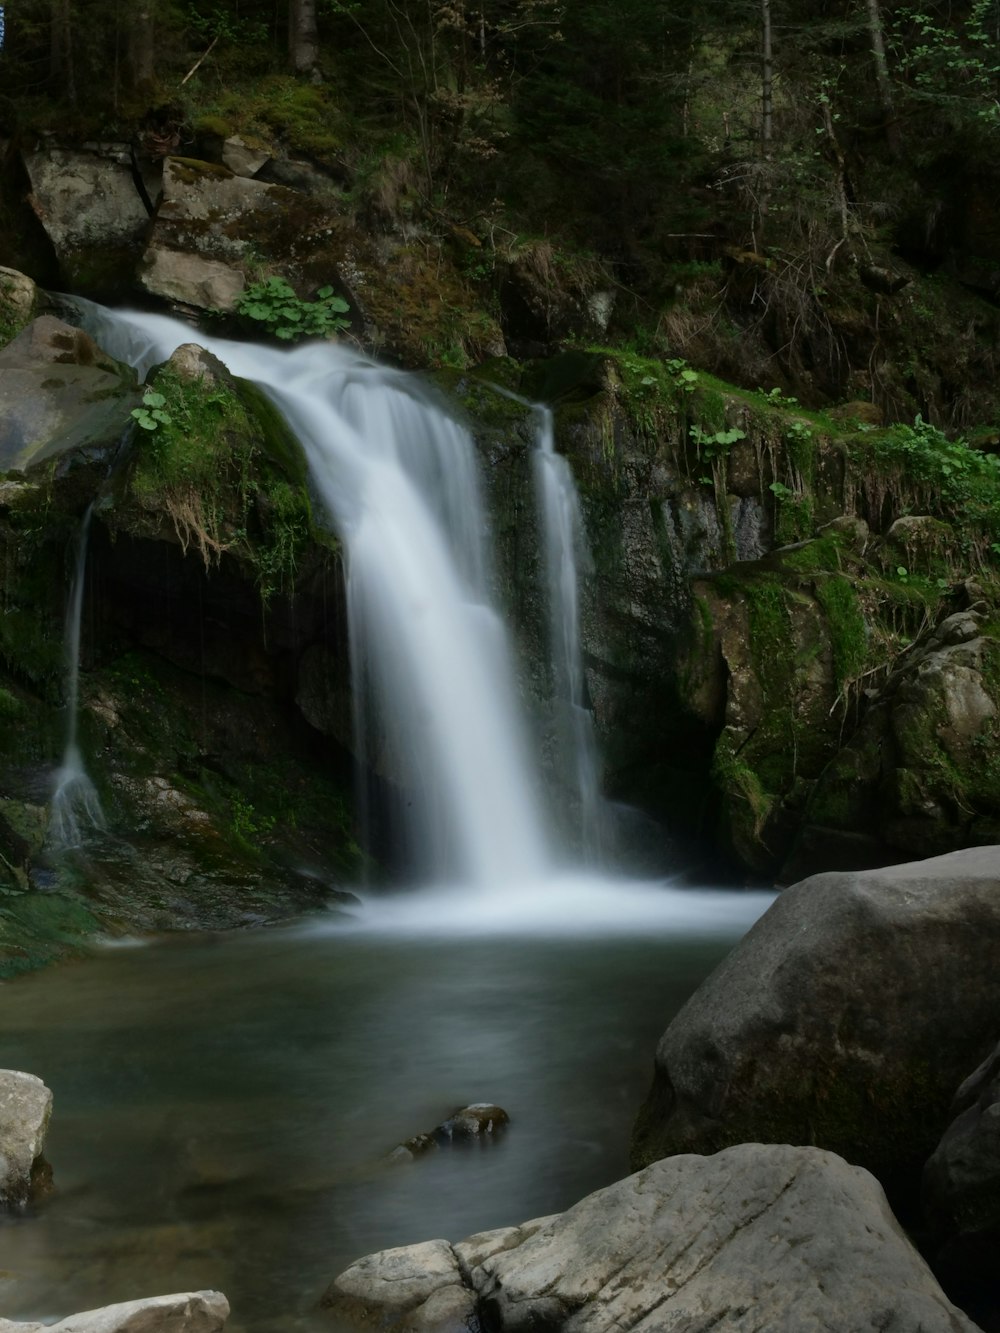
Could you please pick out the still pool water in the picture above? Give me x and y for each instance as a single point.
(223, 1105)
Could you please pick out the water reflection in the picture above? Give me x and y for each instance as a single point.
(223, 1105)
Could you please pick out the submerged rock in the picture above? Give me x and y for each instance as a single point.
(480, 1120)
(756, 1237)
(845, 1018)
(25, 1108)
(186, 1312)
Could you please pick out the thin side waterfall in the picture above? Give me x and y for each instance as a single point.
(434, 687)
(565, 554)
(75, 803)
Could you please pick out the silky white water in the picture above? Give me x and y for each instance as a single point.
(75, 803)
(565, 555)
(433, 683)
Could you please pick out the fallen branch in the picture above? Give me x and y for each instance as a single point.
(198, 62)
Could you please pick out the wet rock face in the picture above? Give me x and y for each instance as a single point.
(25, 1108)
(59, 394)
(755, 1237)
(482, 1121)
(845, 1018)
(919, 775)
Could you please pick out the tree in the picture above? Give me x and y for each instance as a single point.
(303, 38)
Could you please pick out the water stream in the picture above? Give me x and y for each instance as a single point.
(565, 555)
(223, 1105)
(433, 680)
(76, 806)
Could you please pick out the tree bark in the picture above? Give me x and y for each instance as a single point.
(62, 70)
(877, 38)
(303, 38)
(766, 79)
(141, 58)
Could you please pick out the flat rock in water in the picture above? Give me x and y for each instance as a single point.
(757, 1237)
(845, 1018)
(185, 1312)
(25, 1108)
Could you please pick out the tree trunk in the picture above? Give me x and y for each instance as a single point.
(63, 74)
(766, 79)
(303, 38)
(876, 35)
(141, 57)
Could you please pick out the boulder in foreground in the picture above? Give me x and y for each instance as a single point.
(756, 1237)
(845, 1018)
(185, 1312)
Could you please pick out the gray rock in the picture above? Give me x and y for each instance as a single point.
(757, 1237)
(962, 1178)
(18, 297)
(186, 1312)
(412, 1287)
(481, 1120)
(90, 208)
(59, 393)
(191, 280)
(241, 159)
(845, 1018)
(25, 1108)
(205, 226)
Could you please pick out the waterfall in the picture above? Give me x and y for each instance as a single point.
(434, 686)
(565, 554)
(75, 803)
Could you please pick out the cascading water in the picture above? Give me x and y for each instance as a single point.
(565, 554)
(433, 681)
(75, 803)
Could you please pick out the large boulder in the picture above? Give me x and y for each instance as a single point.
(25, 1108)
(209, 223)
(59, 393)
(756, 1237)
(185, 1312)
(94, 215)
(845, 1018)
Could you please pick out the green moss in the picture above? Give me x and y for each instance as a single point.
(213, 126)
(846, 625)
(35, 928)
(226, 472)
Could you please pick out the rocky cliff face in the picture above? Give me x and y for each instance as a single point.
(790, 628)
(207, 589)
(785, 652)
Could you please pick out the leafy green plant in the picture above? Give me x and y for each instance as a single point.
(778, 398)
(274, 304)
(711, 444)
(684, 376)
(151, 415)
